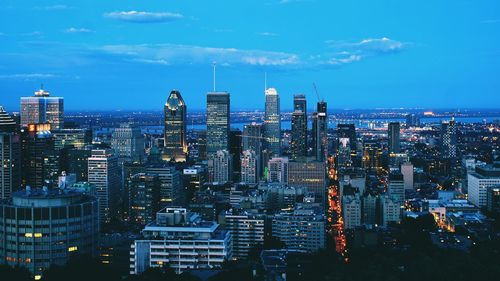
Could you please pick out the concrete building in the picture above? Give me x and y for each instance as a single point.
(42, 108)
(40, 228)
(247, 231)
(390, 210)
(407, 171)
(277, 170)
(220, 167)
(181, 240)
(171, 193)
(311, 175)
(396, 188)
(479, 181)
(249, 167)
(128, 143)
(351, 211)
(104, 174)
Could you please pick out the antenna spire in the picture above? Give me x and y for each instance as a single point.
(215, 63)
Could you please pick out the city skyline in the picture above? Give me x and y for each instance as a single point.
(435, 52)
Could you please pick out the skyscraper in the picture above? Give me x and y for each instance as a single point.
(249, 167)
(252, 140)
(311, 175)
(42, 108)
(320, 132)
(393, 137)
(10, 153)
(218, 110)
(104, 173)
(220, 166)
(449, 139)
(128, 143)
(347, 131)
(143, 197)
(175, 111)
(170, 184)
(299, 128)
(412, 120)
(278, 170)
(272, 122)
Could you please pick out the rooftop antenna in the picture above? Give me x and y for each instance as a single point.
(215, 63)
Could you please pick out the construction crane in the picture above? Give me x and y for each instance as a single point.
(316, 91)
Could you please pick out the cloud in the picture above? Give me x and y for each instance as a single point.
(171, 54)
(77, 30)
(268, 34)
(143, 17)
(27, 76)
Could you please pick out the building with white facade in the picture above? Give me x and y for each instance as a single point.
(479, 181)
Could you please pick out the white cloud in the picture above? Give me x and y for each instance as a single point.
(172, 54)
(77, 30)
(27, 76)
(144, 17)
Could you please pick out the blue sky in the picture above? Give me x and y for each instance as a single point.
(361, 54)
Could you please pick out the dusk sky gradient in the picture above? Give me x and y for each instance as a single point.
(121, 54)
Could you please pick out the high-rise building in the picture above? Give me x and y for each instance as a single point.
(249, 167)
(218, 116)
(181, 240)
(104, 174)
(272, 122)
(128, 143)
(220, 167)
(351, 211)
(46, 227)
(300, 229)
(175, 111)
(412, 120)
(390, 210)
(71, 138)
(311, 175)
(252, 137)
(143, 198)
(320, 132)
(277, 170)
(247, 231)
(493, 199)
(235, 140)
(449, 139)
(393, 137)
(396, 188)
(10, 155)
(170, 184)
(40, 162)
(478, 182)
(347, 131)
(42, 108)
(298, 144)
(407, 171)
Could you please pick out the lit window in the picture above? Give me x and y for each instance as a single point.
(72, 249)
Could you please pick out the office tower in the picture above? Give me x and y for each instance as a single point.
(104, 173)
(311, 175)
(77, 162)
(71, 138)
(42, 108)
(143, 198)
(344, 154)
(128, 143)
(396, 188)
(320, 132)
(493, 199)
(300, 229)
(298, 145)
(171, 193)
(478, 182)
(218, 114)
(407, 171)
(175, 111)
(369, 208)
(252, 137)
(412, 120)
(393, 137)
(351, 211)
(372, 155)
(193, 178)
(390, 210)
(247, 231)
(249, 167)
(235, 151)
(40, 162)
(449, 139)
(220, 167)
(66, 218)
(180, 240)
(272, 122)
(347, 131)
(277, 169)
(10, 155)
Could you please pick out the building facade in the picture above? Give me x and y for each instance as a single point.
(175, 110)
(42, 108)
(272, 122)
(218, 122)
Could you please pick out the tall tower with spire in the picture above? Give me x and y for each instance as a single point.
(272, 122)
(175, 111)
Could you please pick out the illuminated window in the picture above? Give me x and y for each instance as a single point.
(38, 235)
(72, 249)
(29, 235)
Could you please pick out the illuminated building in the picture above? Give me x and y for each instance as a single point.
(393, 137)
(298, 144)
(10, 155)
(278, 170)
(220, 167)
(396, 188)
(249, 167)
(128, 143)
(351, 211)
(143, 198)
(311, 175)
(42, 108)
(449, 139)
(252, 140)
(407, 171)
(480, 180)
(272, 122)
(347, 131)
(72, 138)
(104, 174)
(45, 227)
(300, 229)
(320, 132)
(180, 240)
(175, 111)
(218, 110)
(170, 184)
(247, 231)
